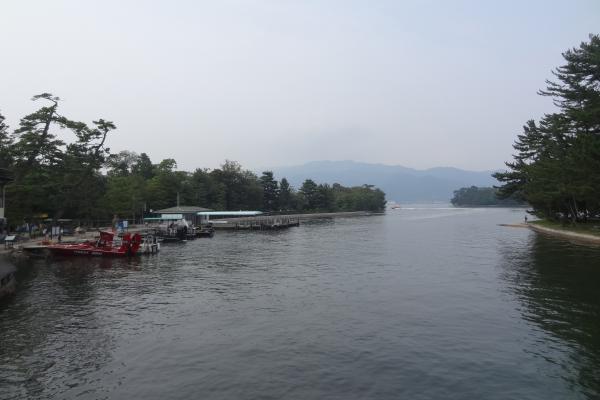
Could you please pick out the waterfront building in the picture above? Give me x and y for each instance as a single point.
(189, 213)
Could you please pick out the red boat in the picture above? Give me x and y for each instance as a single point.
(106, 246)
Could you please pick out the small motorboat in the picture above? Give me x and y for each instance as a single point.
(107, 246)
(175, 232)
(150, 244)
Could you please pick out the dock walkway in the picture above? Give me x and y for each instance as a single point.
(275, 222)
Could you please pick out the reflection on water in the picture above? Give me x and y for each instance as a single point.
(421, 303)
(558, 284)
(54, 339)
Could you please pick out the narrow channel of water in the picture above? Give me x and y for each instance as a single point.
(420, 303)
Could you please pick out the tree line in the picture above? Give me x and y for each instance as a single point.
(482, 196)
(556, 167)
(81, 179)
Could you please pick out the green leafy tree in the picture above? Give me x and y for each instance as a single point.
(125, 196)
(270, 191)
(6, 142)
(81, 181)
(481, 196)
(36, 145)
(64, 168)
(309, 193)
(55, 176)
(209, 192)
(325, 199)
(162, 189)
(123, 163)
(285, 195)
(143, 167)
(242, 189)
(358, 198)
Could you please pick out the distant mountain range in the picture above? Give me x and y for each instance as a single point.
(400, 184)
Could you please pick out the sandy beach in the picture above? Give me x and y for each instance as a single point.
(563, 233)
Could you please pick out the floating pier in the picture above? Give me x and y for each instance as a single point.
(262, 223)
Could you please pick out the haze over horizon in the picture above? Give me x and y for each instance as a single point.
(399, 165)
(283, 83)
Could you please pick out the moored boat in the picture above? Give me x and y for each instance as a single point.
(174, 232)
(107, 246)
(150, 244)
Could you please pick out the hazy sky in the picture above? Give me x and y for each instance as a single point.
(269, 83)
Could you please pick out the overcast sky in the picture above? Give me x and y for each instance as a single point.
(271, 83)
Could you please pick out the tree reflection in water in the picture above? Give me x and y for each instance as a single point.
(558, 284)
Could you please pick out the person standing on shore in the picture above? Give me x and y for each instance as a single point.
(526, 218)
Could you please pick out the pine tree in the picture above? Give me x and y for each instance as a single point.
(556, 167)
(270, 191)
(285, 195)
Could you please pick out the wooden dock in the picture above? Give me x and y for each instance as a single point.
(275, 222)
(261, 223)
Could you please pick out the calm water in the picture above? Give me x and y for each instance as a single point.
(419, 304)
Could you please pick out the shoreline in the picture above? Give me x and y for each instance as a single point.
(228, 223)
(140, 228)
(303, 217)
(563, 233)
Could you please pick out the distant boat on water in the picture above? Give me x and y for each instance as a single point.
(394, 206)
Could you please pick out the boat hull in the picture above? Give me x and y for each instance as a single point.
(91, 252)
(103, 248)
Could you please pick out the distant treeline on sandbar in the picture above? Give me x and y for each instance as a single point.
(483, 197)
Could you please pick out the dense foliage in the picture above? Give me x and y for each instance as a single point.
(556, 168)
(74, 175)
(481, 196)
